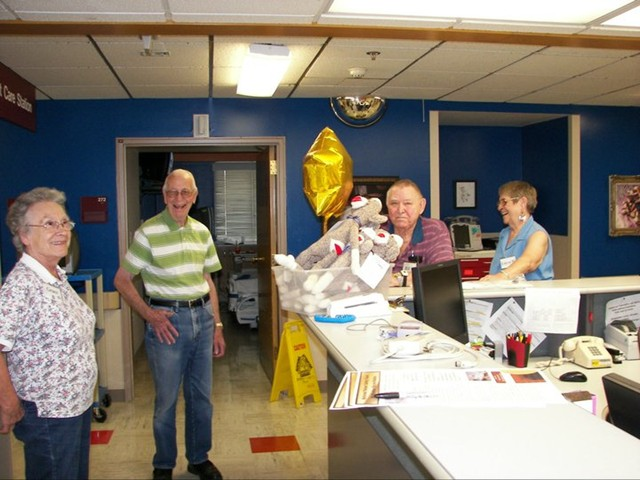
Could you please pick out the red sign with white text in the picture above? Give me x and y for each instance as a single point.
(17, 99)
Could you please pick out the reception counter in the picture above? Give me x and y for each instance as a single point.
(595, 292)
(556, 441)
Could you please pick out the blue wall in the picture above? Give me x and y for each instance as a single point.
(490, 156)
(545, 166)
(73, 149)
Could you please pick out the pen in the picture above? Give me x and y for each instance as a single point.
(396, 395)
(387, 395)
(359, 305)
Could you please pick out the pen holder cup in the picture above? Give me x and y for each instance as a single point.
(517, 353)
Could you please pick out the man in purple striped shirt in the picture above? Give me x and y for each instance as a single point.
(425, 240)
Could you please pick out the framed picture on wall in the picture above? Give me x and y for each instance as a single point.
(465, 193)
(371, 187)
(624, 205)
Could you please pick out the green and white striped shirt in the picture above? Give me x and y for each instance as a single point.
(172, 259)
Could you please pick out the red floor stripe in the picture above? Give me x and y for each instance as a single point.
(101, 437)
(274, 444)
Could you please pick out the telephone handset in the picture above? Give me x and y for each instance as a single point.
(586, 351)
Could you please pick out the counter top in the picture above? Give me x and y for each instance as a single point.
(619, 284)
(559, 440)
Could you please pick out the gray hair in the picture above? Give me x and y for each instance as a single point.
(519, 189)
(402, 183)
(16, 220)
(179, 172)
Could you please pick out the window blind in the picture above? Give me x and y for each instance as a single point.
(235, 202)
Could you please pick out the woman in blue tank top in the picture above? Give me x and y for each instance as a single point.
(524, 248)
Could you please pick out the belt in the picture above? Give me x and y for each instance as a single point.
(198, 302)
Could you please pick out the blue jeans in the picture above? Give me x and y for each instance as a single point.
(188, 361)
(54, 448)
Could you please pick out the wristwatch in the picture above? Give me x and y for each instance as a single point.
(219, 325)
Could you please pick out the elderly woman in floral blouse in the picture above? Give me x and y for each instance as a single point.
(48, 366)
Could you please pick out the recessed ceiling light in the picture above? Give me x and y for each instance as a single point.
(627, 19)
(548, 11)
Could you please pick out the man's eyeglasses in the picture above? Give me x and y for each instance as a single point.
(502, 202)
(184, 192)
(53, 225)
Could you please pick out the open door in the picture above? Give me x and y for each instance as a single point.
(268, 323)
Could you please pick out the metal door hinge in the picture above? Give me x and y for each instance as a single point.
(273, 167)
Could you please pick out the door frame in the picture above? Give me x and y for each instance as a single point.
(128, 207)
(566, 248)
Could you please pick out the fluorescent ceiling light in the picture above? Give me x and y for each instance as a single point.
(627, 19)
(263, 69)
(549, 11)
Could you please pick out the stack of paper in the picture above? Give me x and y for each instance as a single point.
(446, 387)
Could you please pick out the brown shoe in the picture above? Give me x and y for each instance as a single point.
(205, 470)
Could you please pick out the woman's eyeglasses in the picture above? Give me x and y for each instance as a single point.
(53, 225)
(502, 202)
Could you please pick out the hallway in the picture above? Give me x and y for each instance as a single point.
(253, 437)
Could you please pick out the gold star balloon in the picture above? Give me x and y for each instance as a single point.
(327, 176)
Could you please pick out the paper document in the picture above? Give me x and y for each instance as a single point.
(623, 308)
(509, 319)
(478, 315)
(551, 310)
(446, 387)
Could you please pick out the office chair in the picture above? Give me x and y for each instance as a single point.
(623, 398)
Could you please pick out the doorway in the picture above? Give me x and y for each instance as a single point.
(269, 156)
(566, 248)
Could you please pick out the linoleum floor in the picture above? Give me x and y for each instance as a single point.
(253, 437)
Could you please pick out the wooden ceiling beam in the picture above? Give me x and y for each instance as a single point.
(338, 31)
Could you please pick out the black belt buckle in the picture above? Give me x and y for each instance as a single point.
(198, 302)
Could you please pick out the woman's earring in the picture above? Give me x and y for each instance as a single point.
(522, 217)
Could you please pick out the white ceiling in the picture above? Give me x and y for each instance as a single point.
(92, 49)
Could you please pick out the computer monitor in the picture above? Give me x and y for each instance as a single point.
(623, 398)
(438, 299)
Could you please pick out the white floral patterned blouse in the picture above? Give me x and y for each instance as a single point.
(48, 332)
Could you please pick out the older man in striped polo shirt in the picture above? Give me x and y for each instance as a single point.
(175, 256)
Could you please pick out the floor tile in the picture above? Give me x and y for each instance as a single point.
(274, 444)
(101, 437)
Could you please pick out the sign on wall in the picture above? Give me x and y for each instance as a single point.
(17, 99)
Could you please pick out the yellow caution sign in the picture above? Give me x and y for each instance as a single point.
(294, 367)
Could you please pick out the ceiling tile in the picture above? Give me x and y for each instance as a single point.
(628, 97)
(169, 91)
(88, 10)
(556, 65)
(168, 76)
(69, 76)
(84, 92)
(17, 52)
(193, 51)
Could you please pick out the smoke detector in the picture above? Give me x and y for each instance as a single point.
(357, 72)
